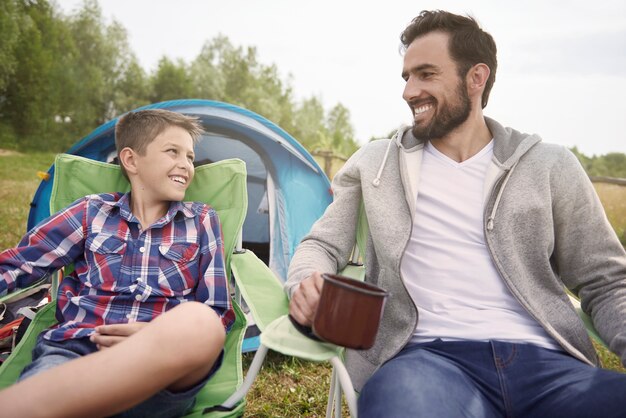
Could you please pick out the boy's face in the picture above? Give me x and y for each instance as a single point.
(166, 169)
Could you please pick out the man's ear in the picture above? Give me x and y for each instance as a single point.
(477, 77)
(128, 160)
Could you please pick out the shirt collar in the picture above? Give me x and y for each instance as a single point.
(123, 203)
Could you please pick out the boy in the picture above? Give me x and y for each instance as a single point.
(134, 345)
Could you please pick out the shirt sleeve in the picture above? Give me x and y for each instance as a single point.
(54, 243)
(213, 288)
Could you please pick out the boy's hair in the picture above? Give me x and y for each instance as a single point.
(136, 130)
(469, 44)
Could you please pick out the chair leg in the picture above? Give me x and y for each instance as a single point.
(346, 385)
(337, 396)
(331, 395)
(255, 366)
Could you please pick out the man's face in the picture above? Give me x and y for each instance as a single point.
(435, 93)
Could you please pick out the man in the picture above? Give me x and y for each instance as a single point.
(475, 230)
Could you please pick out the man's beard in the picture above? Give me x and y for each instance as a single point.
(447, 117)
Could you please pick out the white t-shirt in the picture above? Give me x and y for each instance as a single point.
(447, 267)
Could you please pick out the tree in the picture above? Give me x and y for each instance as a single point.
(234, 75)
(32, 94)
(341, 130)
(63, 76)
(310, 128)
(10, 18)
(171, 81)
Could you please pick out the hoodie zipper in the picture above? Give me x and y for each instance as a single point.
(403, 174)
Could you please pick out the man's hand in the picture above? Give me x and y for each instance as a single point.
(108, 335)
(305, 299)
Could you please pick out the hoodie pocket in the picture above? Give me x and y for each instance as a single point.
(178, 268)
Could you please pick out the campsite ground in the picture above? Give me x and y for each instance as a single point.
(286, 387)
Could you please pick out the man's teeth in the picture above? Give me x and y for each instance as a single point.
(180, 180)
(421, 109)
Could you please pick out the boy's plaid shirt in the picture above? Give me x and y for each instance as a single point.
(121, 273)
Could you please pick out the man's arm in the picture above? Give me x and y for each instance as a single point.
(327, 248)
(54, 243)
(590, 259)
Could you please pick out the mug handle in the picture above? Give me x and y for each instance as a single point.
(303, 329)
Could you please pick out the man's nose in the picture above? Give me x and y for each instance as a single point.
(412, 89)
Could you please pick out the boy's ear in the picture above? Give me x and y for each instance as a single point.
(128, 160)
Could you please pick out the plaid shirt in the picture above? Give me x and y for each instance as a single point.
(122, 273)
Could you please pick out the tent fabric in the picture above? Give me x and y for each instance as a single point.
(287, 190)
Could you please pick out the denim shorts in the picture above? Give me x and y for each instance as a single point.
(48, 354)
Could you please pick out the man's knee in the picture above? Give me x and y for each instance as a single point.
(420, 381)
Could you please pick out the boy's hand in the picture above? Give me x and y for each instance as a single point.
(108, 335)
(305, 299)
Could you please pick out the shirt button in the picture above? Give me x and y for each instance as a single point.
(142, 250)
(138, 279)
(128, 316)
(137, 297)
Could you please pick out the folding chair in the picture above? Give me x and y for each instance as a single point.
(223, 186)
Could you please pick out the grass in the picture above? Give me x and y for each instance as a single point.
(18, 183)
(285, 387)
(613, 198)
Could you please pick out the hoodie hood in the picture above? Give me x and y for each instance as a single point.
(509, 145)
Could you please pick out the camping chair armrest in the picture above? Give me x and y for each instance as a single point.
(591, 330)
(269, 306)
(261, 290)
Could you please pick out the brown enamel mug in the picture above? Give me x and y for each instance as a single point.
(349, 312)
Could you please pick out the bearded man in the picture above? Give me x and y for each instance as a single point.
(476, 230)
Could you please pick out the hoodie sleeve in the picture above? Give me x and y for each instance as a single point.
(327, 248)
(589, 256)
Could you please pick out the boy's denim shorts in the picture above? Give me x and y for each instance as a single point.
(48, 354)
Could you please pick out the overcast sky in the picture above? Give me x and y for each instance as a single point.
(561, 71)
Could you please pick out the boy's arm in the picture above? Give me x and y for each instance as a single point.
(54, 243)
(213, 288)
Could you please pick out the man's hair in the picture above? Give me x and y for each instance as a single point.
(468, 44)
(136, 130)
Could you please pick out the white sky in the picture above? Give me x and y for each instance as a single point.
(561, 64)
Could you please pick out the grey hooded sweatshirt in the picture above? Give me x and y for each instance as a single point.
(544, 227)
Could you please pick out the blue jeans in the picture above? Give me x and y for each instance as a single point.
(48, 354)
(490, 379)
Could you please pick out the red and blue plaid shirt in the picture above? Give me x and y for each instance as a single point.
(121, 272)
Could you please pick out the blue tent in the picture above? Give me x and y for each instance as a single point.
(287, 190)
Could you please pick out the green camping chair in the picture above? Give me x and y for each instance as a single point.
(223, 185)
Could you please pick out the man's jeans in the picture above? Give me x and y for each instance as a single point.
(490, 379)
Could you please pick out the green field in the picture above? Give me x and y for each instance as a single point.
(286, 387)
